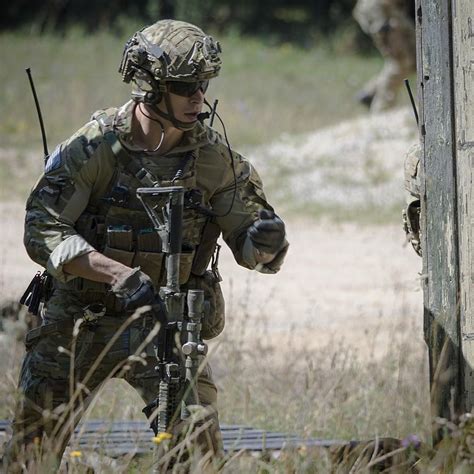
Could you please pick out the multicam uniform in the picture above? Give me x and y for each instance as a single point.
(389, 24)
(86, 201)
(412, 212)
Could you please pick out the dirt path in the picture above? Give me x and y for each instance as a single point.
(349, 281)
(16, 269)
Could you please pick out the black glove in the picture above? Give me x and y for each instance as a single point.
(135, 290)
(275, 265)
(267, 232)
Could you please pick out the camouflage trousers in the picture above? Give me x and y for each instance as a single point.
(61, 374)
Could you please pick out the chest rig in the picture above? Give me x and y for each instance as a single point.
(119, 227)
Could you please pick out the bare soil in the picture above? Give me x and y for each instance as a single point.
(344, 281)
(339, 280)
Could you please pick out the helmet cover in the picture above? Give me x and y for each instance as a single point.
(168, 50)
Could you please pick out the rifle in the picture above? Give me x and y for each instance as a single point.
(178, 344)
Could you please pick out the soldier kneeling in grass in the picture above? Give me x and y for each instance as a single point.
(86, 227)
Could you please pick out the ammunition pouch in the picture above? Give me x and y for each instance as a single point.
(411, 225)
(214, 316)
(120, 246)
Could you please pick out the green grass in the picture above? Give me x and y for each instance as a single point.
(267, 91)
(73, 77)
(263, 90)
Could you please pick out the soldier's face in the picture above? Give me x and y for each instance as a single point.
(186, 107)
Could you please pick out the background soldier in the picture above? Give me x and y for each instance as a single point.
(390, 24)
(411, 214)
(85, 225)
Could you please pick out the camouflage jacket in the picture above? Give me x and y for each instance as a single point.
(85, 191)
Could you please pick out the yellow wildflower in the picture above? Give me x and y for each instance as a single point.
(75, 454)
(162, 437)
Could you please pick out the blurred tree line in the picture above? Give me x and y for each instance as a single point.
(280, 19)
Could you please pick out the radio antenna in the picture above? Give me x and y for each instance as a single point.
(412, 100)
(40, 117)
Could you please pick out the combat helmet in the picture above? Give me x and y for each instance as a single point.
(169, 56)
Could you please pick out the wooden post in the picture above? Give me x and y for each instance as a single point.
(463, 78)
(445, 42)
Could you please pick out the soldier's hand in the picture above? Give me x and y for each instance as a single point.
(267, 233)
(134, 290)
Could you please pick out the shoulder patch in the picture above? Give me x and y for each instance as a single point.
(54, 161)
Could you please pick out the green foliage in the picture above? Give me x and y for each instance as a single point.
(300, 20)
(264, 91)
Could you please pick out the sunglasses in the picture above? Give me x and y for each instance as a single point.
(187, 89)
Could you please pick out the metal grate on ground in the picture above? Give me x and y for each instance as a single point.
(118, 438)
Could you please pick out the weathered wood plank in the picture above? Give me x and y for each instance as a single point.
(438, 200)
(463, 77)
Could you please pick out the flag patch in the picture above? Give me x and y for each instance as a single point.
(54, 161)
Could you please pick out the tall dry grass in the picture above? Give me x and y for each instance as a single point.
(330, 391)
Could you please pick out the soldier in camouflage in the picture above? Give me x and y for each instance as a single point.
(85, 225)
(391, 27)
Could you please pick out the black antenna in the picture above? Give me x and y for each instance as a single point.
(213, 112)
(40, 117)
(412, 100)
